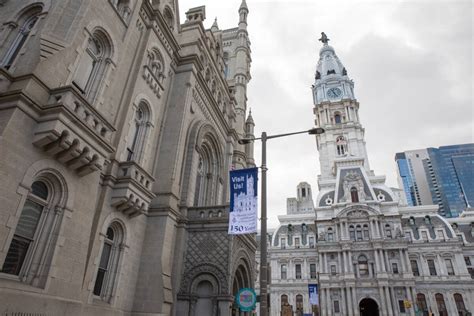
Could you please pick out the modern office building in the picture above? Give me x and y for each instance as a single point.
(118, 126)
(442, 176)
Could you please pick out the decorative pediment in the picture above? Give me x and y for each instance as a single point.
(358, 210)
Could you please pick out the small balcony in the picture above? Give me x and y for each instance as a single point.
(73, 132)
(132, 192)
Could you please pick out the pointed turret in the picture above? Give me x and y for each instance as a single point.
(249, 133)
(243, 11)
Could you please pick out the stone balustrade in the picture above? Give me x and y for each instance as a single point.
(132, 192)
(73, 132)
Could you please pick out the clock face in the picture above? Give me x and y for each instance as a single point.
(334, 93)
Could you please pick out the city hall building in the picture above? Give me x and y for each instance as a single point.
(118, 126)
(368, 250)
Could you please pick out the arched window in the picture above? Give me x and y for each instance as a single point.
(123, 8)
(284, 300)
(283, 272)
(31, 248)
(354, 195)
(156, 65)
(359, 232)
(138, 133)
(341, 146)
(208, 179)
(388, 231)
(18, 37)
(299, 304)
(366, 231)
(363, 265)
(92, 67)
(421, 302)
(337, 118)
(108, 265)
(460, 304)
(330, 234)
(169, 18)
(441, 304)
(352, 232)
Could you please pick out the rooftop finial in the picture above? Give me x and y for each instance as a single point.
(214, 26)
(324, 39)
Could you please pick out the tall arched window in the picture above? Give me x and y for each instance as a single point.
(359, 232)
(109, 259)
(330, 234)
(354, 195)
(208, 188)
(363, 265)
(337, 118)
(352, 232)
(92, 67)
(366, 232)
(460, 304)
(284, 300)
(341, 146)
(299, 304)
(18, 37)
(441, 304)
(168, 15)
(31, 248)
(138, 133)
(421, 302)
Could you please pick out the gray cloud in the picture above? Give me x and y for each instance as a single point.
(411, 62)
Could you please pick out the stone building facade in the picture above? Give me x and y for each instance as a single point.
(118, 125)
(368, 250)
(376, 255)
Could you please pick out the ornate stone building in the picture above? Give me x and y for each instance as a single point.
(367, 249)
(376, 255)
(118, 125)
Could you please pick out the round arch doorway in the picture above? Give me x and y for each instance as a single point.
(368, 307)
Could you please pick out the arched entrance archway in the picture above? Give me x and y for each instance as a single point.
(368, 307)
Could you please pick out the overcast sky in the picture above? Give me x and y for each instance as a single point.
(411, 62)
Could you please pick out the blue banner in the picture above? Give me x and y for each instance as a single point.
(243, 201)
(313, 294)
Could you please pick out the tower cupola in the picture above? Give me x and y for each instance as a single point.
(331, 80)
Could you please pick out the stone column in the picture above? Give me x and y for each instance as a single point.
(402, 261)
(320, 259)
(383, 305)
(342, 303)
(350, 306)
(410, 298)
(388, 301)
(339, 263)
(344, 259)
(372, 230)
(354, 302)
(377, 263)
(329, 301)
(387, 262)
(322, 303)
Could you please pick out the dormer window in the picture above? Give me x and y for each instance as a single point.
(331, 72)
(318, 75)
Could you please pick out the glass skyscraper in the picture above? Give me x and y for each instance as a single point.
(443, 176)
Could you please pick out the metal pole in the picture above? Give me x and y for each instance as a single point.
(263, 232)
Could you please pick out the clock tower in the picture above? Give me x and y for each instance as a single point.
(336, 110)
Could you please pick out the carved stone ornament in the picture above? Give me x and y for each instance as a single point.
(353, 180)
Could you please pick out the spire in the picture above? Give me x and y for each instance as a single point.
(214, 26)
(250, 118)
(243, 11)
(243, 6)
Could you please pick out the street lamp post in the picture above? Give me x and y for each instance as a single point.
(263, 220)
